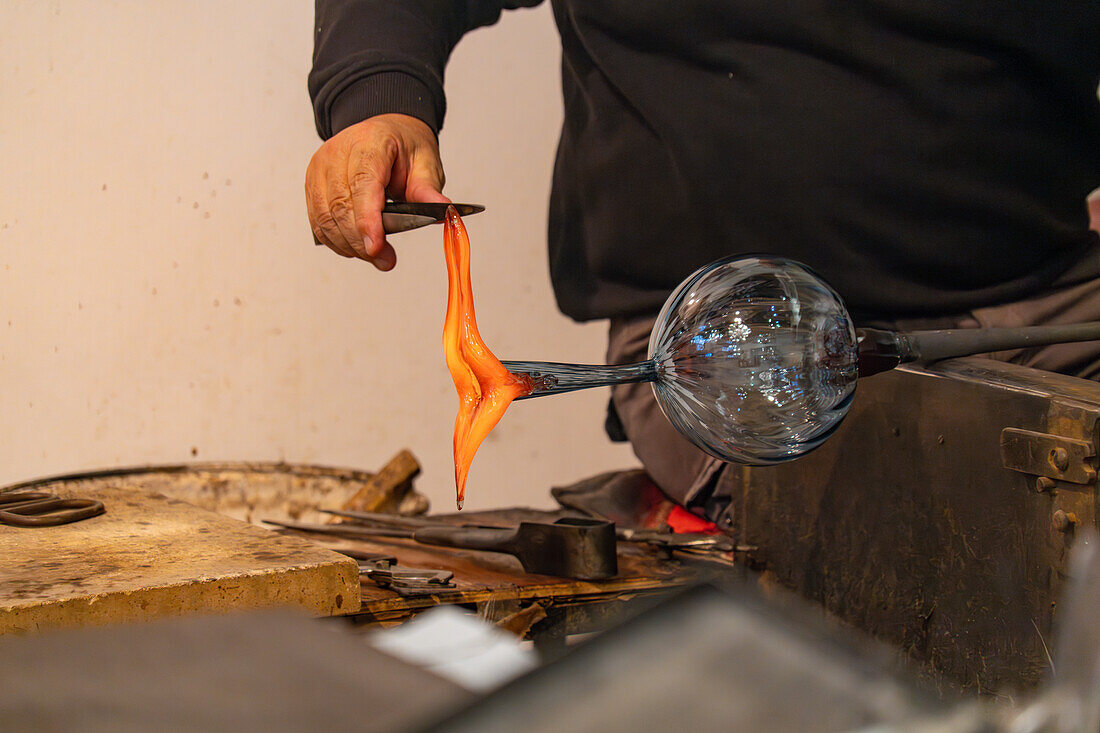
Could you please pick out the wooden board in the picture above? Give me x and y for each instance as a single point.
(151, 556)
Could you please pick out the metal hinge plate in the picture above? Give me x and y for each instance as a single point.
(1043, 454)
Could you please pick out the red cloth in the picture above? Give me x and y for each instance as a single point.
(630, 499)
(682, 521)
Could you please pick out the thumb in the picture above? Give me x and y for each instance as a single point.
(425, 193)
(425, 180)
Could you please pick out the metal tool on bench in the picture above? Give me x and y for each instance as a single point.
(570, 548)
(715, 542)
(384, 570)
(44, 509)
(668, 540)
(381, 519)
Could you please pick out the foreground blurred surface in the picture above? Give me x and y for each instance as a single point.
(271, 672)
(707, 659)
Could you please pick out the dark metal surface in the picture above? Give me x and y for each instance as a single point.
(909, 525)
(570, 547)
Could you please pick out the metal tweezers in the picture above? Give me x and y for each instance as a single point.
(43, 509)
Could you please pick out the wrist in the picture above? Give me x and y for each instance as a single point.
(383, 93)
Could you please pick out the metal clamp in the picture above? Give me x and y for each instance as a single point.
(1052, 456)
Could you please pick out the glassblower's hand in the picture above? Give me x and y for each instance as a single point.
(352, 173)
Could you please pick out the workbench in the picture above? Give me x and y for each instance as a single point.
(155, 553)
(542, 608)
(150, 556)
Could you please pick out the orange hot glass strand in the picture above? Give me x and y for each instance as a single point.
(485, 387)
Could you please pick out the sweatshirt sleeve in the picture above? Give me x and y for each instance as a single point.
(376, 56)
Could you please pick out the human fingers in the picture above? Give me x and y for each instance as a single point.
(352, 173)
(409, 152)
(425, 179)
(370, 168)
(341, 207)
(321, 222)
(362, 154)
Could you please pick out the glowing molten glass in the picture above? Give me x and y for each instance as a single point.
(485, 387)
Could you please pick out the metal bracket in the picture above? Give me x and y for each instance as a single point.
(1043, 454)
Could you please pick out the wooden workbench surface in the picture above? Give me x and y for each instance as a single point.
(150, 556)
(495, 579)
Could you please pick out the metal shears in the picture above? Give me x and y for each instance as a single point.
(401, 216)
(43, 509)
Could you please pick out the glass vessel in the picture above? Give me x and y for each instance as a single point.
(753, 359)
(756, 359)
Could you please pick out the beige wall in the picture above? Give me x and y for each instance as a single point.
(159, 290)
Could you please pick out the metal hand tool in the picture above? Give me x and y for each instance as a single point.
(693, 541)
(381, 519)
(43, 509)
(571, 547)
(401, 216)
(678, 541)
(384, 570)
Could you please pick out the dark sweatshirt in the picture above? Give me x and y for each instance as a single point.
(927, 157)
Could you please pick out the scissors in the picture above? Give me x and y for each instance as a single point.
(42, 509)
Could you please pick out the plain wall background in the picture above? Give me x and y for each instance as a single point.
(161, 299)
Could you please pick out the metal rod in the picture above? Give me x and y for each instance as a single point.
(376, 518)
(343, 530)
(935, 345)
